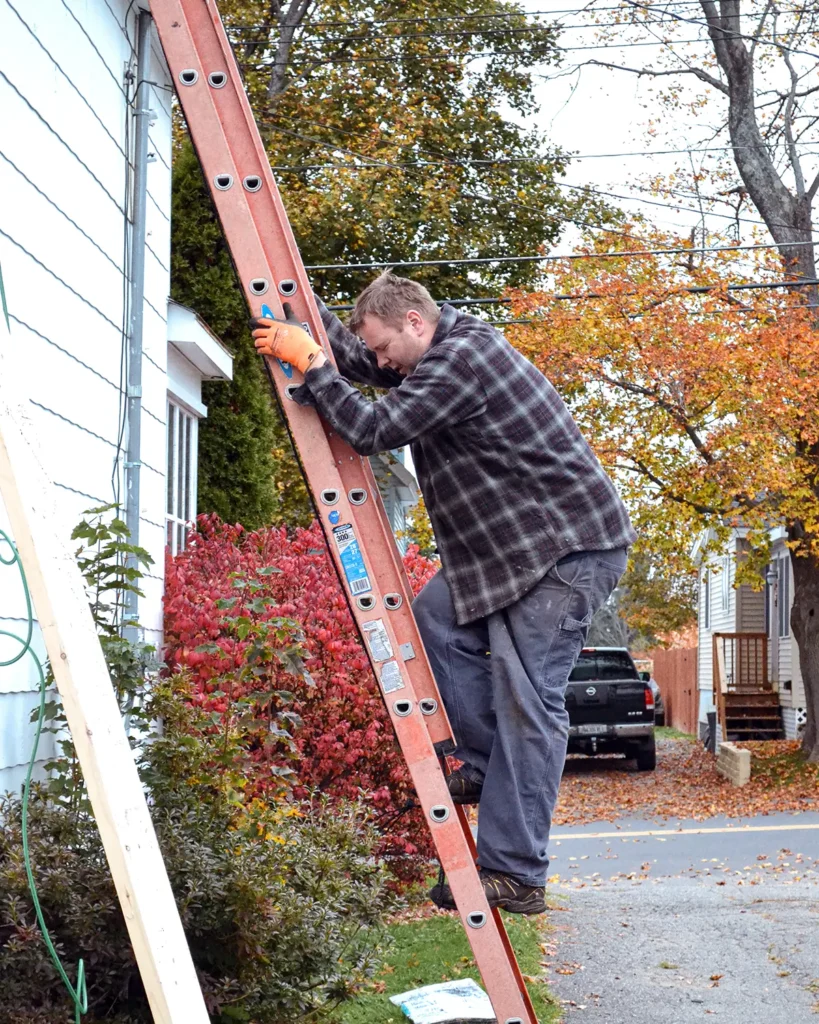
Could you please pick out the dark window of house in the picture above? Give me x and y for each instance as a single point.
(784, 595)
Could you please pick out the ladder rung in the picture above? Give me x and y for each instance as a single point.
(270, 268)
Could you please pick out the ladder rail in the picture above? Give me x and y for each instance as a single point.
(271, 271)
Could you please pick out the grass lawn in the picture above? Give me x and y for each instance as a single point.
(665, 732)
(435, 949)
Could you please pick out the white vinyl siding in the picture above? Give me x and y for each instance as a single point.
(62, 238)
(717, 614)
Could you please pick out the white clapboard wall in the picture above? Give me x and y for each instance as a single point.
(63, 159)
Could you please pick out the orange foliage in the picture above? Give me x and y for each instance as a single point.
(702, 405)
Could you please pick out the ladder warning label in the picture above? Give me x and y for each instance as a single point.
(351, 561)
(377, 638)
(391, 677)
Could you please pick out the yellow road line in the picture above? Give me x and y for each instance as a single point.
(623, 834)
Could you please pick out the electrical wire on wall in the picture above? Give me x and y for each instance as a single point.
(122, 409)
(78, 993)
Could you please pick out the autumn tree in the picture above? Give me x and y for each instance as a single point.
(396, 133)
(741, 74)
(700, 396)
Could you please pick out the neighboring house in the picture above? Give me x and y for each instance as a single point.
(753, 614)
(399, 489)
(69, 182)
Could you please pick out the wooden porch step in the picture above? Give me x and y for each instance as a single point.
(770, 733)
(752, 711)
(747, 694)
(748, 720)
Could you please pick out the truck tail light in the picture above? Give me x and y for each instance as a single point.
(649, 699)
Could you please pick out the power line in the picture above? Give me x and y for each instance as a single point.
(503, 14)
(484, 32)
(388, 164)
(450, 302)
(458, 160)
(531, 27)
(548, 50)
(734, 218)
(728, 33)
(628, 254)
(696, 316)
(702, 289)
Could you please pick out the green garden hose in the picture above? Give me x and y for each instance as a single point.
(79, 995)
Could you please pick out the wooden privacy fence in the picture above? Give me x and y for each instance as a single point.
(676, 674)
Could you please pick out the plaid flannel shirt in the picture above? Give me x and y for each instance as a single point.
(510, 484)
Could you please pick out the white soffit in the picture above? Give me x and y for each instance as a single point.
(193, 339)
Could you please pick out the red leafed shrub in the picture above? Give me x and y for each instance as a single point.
(345, 743)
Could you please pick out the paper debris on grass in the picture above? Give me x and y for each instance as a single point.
(452, 1002)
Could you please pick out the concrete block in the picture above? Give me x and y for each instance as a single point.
(734, 764)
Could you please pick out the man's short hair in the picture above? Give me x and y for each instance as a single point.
(390, 298)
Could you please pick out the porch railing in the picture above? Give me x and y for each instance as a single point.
(740, 665)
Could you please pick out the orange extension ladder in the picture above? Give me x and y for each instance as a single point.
(352, 516)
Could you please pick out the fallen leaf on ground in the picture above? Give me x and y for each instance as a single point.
(686, 785)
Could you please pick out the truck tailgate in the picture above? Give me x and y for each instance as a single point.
(607, 702)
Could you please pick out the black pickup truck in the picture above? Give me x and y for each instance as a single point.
(611, 709)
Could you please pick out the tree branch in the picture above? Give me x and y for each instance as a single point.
(675, 413)
(697, 72)
(643, 470)
(289, 22)
(796, 164)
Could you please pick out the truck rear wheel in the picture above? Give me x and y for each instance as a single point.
(647, 755)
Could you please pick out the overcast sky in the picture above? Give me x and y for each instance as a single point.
(606, 111)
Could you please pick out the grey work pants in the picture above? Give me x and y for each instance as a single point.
(507, 707)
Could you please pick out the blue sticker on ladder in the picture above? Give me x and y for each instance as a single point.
(352, 561)
(286, 367)
(334, 517)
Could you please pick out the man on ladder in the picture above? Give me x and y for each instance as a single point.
(532, 534)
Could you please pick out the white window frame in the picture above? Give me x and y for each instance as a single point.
(706, 598)
(181, 459)
(726, 582)
(783, 595)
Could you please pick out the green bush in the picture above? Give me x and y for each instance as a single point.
(281, 909)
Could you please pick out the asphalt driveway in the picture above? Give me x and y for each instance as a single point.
(675, 923)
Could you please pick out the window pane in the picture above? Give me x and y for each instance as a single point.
(179, 511)
(784, 596)
(169, 467)
(186, 513)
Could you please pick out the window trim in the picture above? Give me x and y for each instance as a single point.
(783, 596)
(181, 473)
(706, 601)
(726, 583)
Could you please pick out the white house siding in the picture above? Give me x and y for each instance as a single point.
(62, 238)
(754, 612)
(784, 653)
(721, 572)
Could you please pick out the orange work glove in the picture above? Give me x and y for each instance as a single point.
(287, 341)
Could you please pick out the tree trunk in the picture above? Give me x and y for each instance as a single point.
(805, 627)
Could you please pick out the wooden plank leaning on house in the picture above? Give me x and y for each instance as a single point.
(82, 678)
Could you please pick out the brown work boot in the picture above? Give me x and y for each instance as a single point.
(501, 891)
(462, 787)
